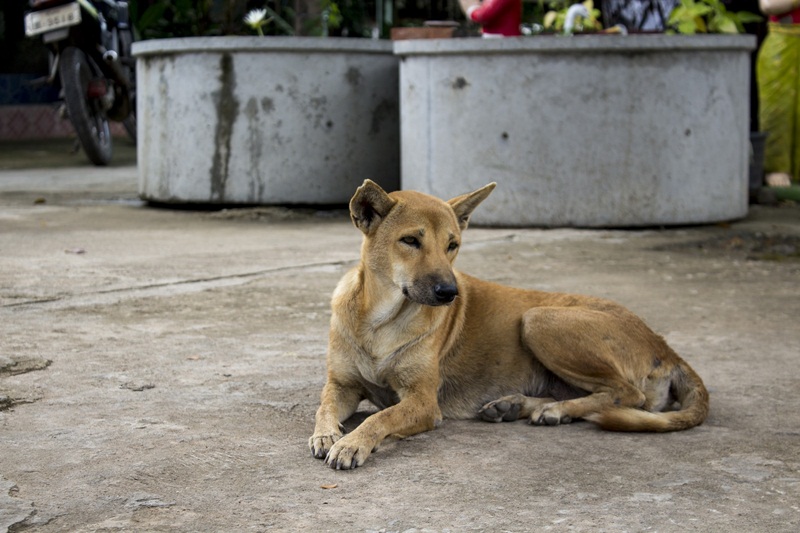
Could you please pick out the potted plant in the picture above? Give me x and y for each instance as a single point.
(712, 16)
(569, 17)
(708, 16)
(263, 119)
(605, 130)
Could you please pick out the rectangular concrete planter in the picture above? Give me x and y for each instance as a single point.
(582, 131)
(265, 120)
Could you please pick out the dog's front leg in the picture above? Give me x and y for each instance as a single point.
(416, 412)
(338, 402)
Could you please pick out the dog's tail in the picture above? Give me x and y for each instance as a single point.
(688, 390)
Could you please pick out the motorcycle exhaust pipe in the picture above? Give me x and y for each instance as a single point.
(111, 59)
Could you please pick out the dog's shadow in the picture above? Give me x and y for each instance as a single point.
(364, 411)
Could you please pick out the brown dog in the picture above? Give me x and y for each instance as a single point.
(422, 341)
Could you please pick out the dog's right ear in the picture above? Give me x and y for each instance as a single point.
(369, 205)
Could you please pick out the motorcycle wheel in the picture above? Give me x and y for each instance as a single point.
(85, 114)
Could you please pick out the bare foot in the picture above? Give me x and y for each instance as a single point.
(778, 179)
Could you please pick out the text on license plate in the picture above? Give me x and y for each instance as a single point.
(52, 19)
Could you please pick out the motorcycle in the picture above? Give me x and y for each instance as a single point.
(89, 43)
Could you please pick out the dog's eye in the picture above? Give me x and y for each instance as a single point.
(453, 245)
(411, 241)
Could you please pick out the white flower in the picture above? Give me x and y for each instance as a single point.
(255, 18)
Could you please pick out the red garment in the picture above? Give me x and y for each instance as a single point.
(792, 16)
(499, 17)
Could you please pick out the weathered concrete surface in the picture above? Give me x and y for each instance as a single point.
(249, 120)
(187, 355)
(590, 131)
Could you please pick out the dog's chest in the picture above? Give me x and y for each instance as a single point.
(382, 343)
(375, 372)
(377, 357)
(376, 354)
(376, 340)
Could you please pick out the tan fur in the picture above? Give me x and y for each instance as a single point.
(401, 338)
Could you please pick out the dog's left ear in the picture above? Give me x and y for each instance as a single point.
(465, 204)
(369, 205)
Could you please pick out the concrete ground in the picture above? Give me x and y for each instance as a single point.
(160, 370)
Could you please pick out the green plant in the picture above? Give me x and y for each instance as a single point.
(325, 17)
(554, 19)
(331, 15)
(175, 18)
(185, 18)
(708, 16)
(256, 20)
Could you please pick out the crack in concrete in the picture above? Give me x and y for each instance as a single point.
(154, 290)
(15, 514)
(7, 402)
(185, 286)
(10, 366)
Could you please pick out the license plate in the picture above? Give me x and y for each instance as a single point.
(52, 19)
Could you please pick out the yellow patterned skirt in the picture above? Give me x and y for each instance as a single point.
(778, 75)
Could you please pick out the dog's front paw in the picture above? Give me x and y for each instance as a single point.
(347, 453)
(320, 445)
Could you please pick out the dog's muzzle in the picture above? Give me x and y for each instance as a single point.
(432, 291)
(445, 293)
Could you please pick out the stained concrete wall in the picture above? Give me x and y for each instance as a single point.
(254, 120)
(582, 131)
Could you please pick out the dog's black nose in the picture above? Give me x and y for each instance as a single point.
(445, 292)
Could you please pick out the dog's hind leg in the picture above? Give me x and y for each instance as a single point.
(513, 407)
(606, 352)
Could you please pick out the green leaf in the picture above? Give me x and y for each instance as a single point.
(279, 21)
(151, 16)
(701, 25)
(675, 16)
(687, 27)
(746, 17)
(699, 10)
(549, 19)
(723, 24)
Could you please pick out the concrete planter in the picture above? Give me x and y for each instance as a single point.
(265, 120)
(582, 131)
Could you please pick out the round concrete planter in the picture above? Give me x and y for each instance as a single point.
(265, 120)
(584, 131)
